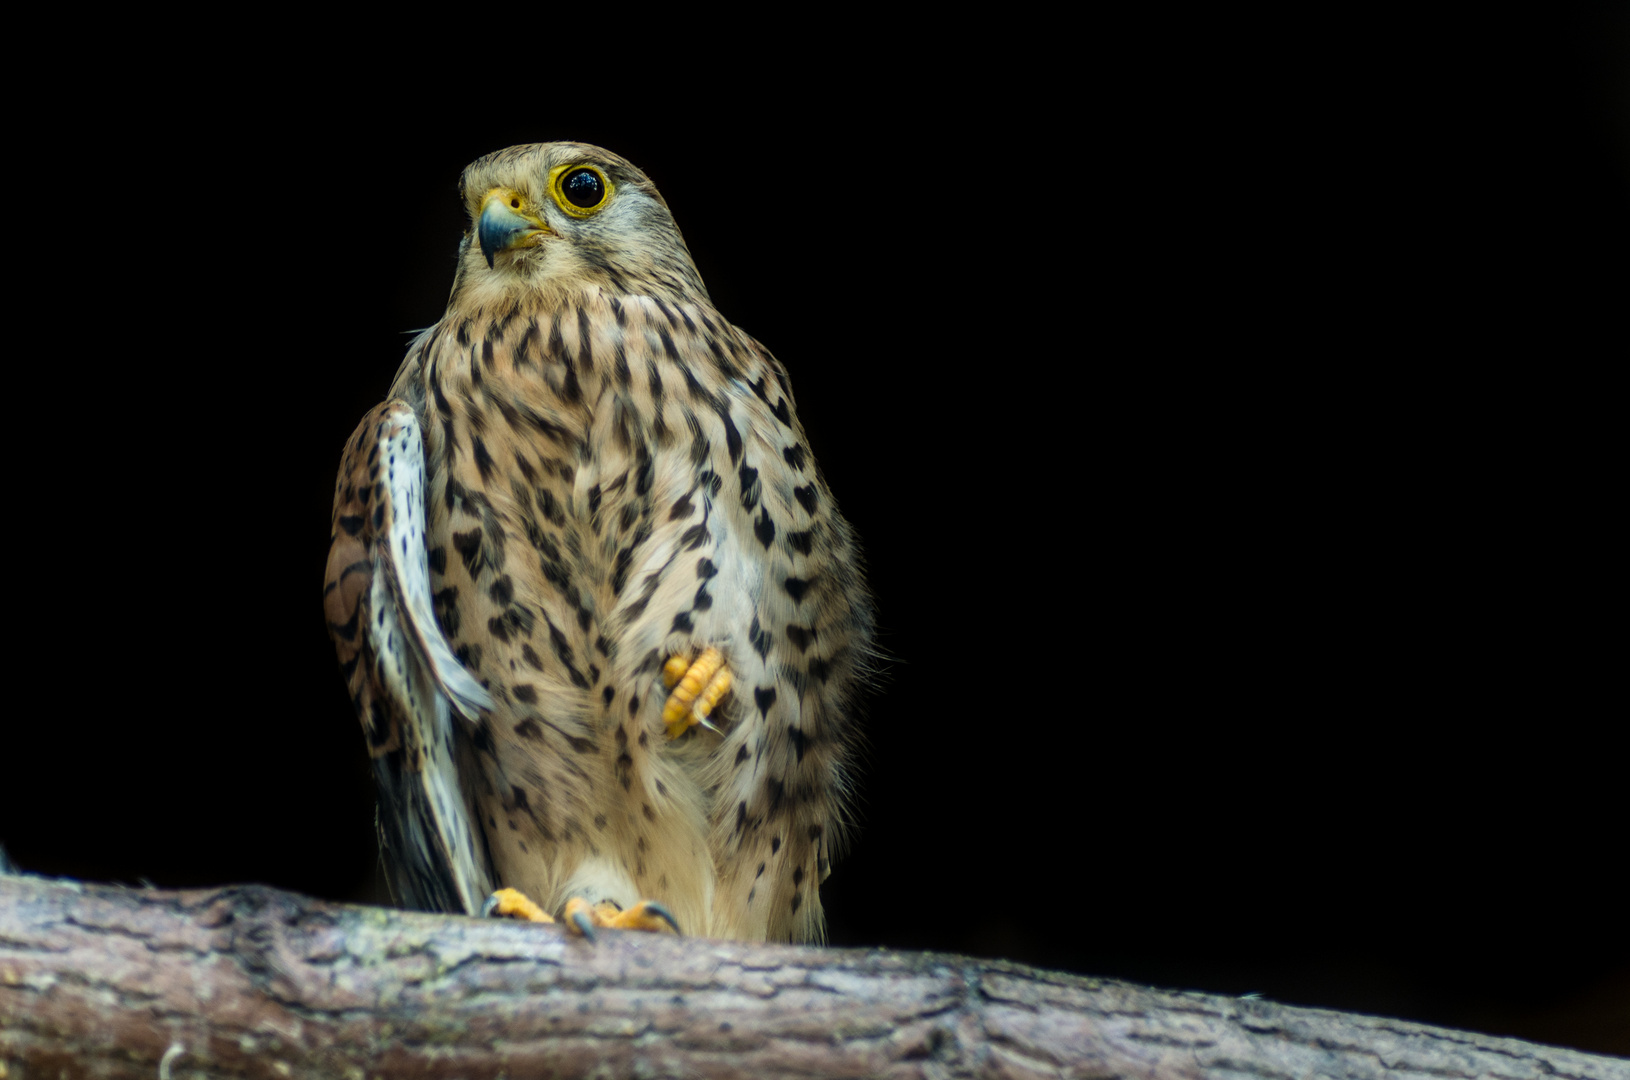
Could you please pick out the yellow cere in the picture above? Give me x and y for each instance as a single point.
(512, 199)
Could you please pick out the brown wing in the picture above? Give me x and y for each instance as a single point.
(407, 687)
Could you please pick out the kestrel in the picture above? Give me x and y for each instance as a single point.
(598, 613)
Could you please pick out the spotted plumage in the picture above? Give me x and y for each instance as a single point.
(581, 472)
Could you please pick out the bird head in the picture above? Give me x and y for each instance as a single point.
(555, 218)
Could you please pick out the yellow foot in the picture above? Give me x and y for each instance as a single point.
(583, 917)
(513, 904)
(697, 687)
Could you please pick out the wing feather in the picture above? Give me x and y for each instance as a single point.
(405, 681)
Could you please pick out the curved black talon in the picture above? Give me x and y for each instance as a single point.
(664, 914)
(585, 925)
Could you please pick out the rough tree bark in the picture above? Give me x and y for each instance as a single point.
(99, 981)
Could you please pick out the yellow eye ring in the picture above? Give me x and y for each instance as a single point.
(579, 182)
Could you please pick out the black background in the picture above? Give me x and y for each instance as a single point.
(1220, 407)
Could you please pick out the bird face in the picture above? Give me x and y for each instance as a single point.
(563, 216)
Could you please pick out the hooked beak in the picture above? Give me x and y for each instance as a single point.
(507, 223)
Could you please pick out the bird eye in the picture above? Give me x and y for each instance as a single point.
(581, 190)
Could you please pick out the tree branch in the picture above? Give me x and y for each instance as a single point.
(100, 981)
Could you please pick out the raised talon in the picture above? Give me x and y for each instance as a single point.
(513, 904)
(674, 670)
(699, 687)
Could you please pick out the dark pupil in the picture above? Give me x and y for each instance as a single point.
(583, 188)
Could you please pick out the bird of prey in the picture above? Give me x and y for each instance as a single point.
(597, 610)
